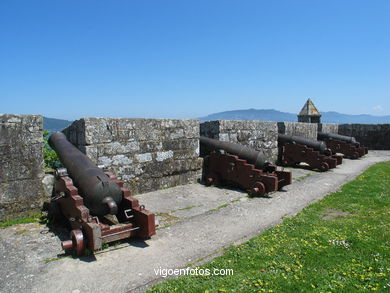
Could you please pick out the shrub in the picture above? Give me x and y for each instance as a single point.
(50, 156)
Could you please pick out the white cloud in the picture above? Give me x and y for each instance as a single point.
(378, 108)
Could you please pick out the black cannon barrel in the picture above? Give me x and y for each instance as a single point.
(250, 155)
(312, 143)
(101, 195)
(348, 139)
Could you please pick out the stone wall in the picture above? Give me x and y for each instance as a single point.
(328, 128)
(373, 136)
(308, 130)
(21, 165)
(147, 154)
(259, 135)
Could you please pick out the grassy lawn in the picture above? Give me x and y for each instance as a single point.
(339, 244)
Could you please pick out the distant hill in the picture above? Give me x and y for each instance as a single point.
(274, 115)
(334, 117)
(251, 114)
(53, 124)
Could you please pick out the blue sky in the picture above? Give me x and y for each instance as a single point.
(185, 59)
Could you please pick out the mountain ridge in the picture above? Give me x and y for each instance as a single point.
(278, 116)
(54, 124)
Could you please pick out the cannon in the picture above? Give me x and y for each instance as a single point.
(346, 145)
(297, 149)
(96, 205)
(233, 164)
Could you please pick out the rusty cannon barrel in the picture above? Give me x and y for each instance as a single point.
(311, 143)
(332, 136)
(250, 155)
(101, 195)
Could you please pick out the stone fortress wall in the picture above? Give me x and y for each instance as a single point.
(148, 154)
(308, 130)
(373, 136)
(328, 128)
(259, 135)
(21, 165)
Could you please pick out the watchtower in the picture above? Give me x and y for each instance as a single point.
(309, 113)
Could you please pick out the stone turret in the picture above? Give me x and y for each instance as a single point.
(309, 113)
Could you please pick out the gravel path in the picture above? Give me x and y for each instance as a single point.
(196, 222)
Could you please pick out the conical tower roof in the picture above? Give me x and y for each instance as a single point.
(309, 109)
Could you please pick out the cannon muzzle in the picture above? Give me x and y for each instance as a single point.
(250, 155)
(312, 143)
(101, 195)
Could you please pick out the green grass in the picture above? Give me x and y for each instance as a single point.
(235, 200)
(34, 218)
(303, 177)
(339, 244)
(185, 208)
(167, 220)
(219, 207)
(48, 260)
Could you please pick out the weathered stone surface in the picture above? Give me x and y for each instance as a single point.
(21, 164)
(92, 131)
(20, 161)
(259, 135)
(147, 154)
(20, 129)
(76, 132)
(48, 184)
(328, 128)
(156, 183)
(308, 130)
(373, 136)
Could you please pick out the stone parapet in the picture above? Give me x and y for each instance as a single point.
(373, 136)
(259, 135)
(328, 128)
(147, 154)
(21, 165)
(308, 130)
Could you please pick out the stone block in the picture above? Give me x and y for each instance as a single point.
(259, 135)
(21, 165)
(140, 151)
(328, 128)
(308, 130)
(373, 136)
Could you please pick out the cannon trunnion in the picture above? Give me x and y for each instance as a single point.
(228, 163)
(346, 145)
(94, 202)
(296, 149)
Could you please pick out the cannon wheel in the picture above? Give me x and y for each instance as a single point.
(212, 180)
(78, 241)
(324, 167)
(258, 189)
